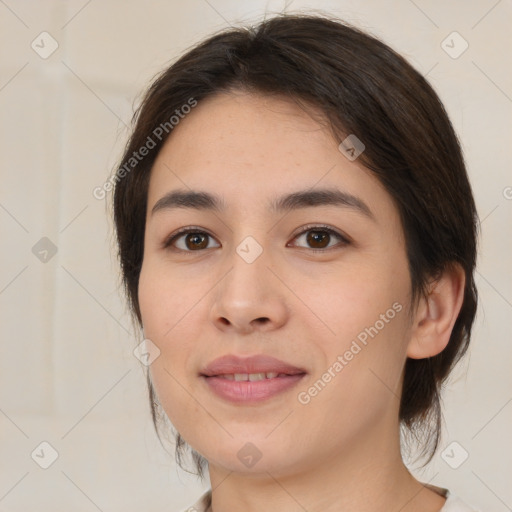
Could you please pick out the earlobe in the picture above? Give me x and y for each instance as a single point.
(436, 314)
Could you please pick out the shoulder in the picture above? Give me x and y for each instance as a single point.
(455, 504)
(202, 504)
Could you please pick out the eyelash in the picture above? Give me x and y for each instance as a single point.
(195, 229)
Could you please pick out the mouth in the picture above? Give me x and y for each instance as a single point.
(250, 380)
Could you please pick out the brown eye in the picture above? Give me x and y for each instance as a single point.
(319, 238)
(196, 241)
(189, 240)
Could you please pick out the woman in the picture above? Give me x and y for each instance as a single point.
(297, 237)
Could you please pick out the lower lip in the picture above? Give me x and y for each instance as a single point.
(251, 391)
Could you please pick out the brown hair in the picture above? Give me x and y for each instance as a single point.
(362, 87)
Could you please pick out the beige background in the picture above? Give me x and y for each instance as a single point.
(67, 372)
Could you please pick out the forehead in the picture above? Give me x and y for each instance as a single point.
(249, 149)
(247, 130)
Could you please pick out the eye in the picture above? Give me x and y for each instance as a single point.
(319, 237)
(193, 240)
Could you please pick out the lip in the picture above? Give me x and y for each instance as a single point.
(254, 364)
(250, 391)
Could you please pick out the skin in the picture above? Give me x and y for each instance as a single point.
(341, 450)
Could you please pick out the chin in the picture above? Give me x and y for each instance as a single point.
(253, 456)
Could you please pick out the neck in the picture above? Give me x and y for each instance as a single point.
(367, 477)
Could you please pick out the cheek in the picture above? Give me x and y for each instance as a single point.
(357, 380)
(364, 342)
(168, 304)
(359, 297)
(166, 298)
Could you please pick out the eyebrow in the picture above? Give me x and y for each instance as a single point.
(294, 201)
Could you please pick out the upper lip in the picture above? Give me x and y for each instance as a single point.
(231, 364)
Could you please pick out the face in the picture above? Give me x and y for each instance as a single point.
(322, 287)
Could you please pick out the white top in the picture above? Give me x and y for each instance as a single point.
(453, 504)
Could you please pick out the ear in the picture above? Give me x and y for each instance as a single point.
(436, 314)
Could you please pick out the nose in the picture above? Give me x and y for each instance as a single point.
(250, 297)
